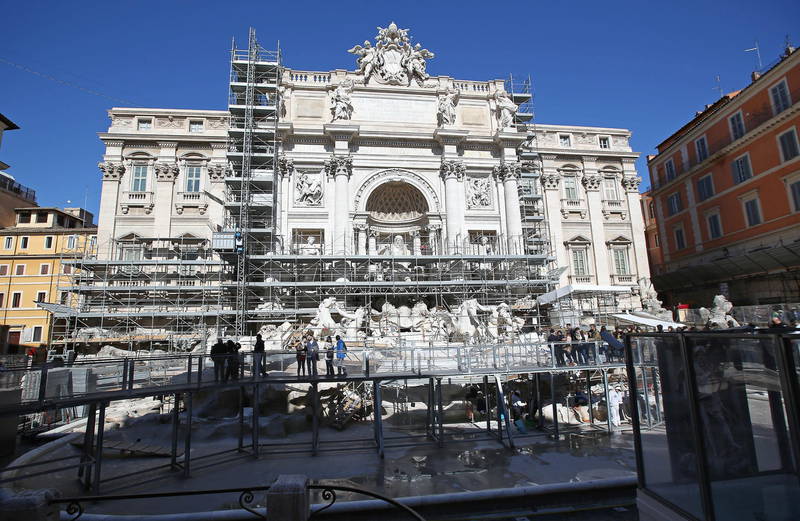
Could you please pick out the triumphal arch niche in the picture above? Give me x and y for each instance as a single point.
(399, 194)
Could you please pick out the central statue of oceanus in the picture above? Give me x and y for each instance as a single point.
(393, 59)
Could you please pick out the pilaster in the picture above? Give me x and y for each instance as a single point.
(592, 183)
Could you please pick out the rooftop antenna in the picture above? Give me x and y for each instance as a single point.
(758, 55)
(719, 86)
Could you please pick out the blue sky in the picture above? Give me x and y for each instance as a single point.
(645, 66)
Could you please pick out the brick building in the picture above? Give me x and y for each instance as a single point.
(726, 194)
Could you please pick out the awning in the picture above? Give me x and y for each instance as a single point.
(645, 321)
(580, 291)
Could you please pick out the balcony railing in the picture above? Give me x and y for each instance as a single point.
(620, 279)
(191, 200)
(581, 279)
(10, 185)
(136, 200)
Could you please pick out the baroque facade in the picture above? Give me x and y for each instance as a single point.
(351, 197)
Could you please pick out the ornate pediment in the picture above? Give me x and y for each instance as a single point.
(392, 60)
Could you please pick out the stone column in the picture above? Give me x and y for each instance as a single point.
(372, 248)
(509, 173)
(452, 171)
(630, 181)
(285, 173)
(550, 180)
(109, 207)
(416, 242)
(362, 239)
(164, 192)
(592, 181)
(340, 168)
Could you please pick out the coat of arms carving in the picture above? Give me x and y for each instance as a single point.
(393, 59)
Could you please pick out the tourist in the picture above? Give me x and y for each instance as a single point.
(615, 347)
(329, 357)
(582, 349)
(230, 360)
(300, 355)
(341, 353)
(659, 328)
(312, 355)
(259, 362)
(614, 401)
(517, 408)
(218, 357)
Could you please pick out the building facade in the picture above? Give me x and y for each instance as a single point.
(376, 201)
(726, 189)
(652, 239)
(35, 255)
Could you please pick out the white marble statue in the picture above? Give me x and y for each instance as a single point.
(393, 59)
(650, 301)
(446, 108)
(397, 247)
(353, 322)
(308, 190)
(506, 109)
(341, 106)
(310, 247)
(720, 313)
(367, 59)
(323, 322)
(479, 190)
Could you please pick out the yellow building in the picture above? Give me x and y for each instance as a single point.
(33, 255)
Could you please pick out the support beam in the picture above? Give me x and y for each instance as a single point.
(176, 422)
(439, 412)
(254, 417)
(187, 440)
(377, 402)
(98, 451)
(314, 418)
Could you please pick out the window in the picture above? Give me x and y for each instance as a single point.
(60, 220)
(657, 240)
(3, 269)
(605, 142)
(193, 178)
(580, 268)
(794, 190)
(66, 268)
(680, 240)
(145, 124)
(41, 296)
(674, 203)
(740, 168)
(139, 178)
(20, 269)
(621, 266)
(565, 140)
(652, 209)
(669, 168)
(16, 299)
(63, 298)
(780, 97)
(37, 334)
(737, 125)
(789, 148)
(196, 126)
(72, 240)
(8, 243)
(752, 211)
(41, 217)
(610, 189)
(44, 269)
(705, 187)
(2, 299)
(571, 188)
(702, 149)
(48, 242)
(714, 226)
(24, 217)
(23, 243)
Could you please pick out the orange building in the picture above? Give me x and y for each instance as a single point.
(726, 193)
(651, 236)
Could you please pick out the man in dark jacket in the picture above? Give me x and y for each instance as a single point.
(615, 347)
(218, 357)
(259, 363)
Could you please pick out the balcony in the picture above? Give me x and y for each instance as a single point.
(581, 279)
(573, 206)
(623, 280)
(9, 185)
(136, 200)
(614, 206)
(185, 200)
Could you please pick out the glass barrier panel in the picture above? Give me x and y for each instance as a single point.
(744, 428)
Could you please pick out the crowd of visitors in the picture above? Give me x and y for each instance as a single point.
(307, 354)
(575, 346)
(227, 364)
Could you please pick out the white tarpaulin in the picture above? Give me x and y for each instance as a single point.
(651, 322)
(580, 290)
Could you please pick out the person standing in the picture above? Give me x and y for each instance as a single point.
(341, 353)
(231, 362)
(614, 401)
(218, 357)
(259, 364)
(329, 357)
(300, 355)
(312, 355)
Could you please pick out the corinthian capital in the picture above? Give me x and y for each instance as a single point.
(285, 165)
(550, 180)
(339, 165)
(631, 183)
(166, 171)
(592, 182)
(452, 168)
(508, 170)
(111, 171)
